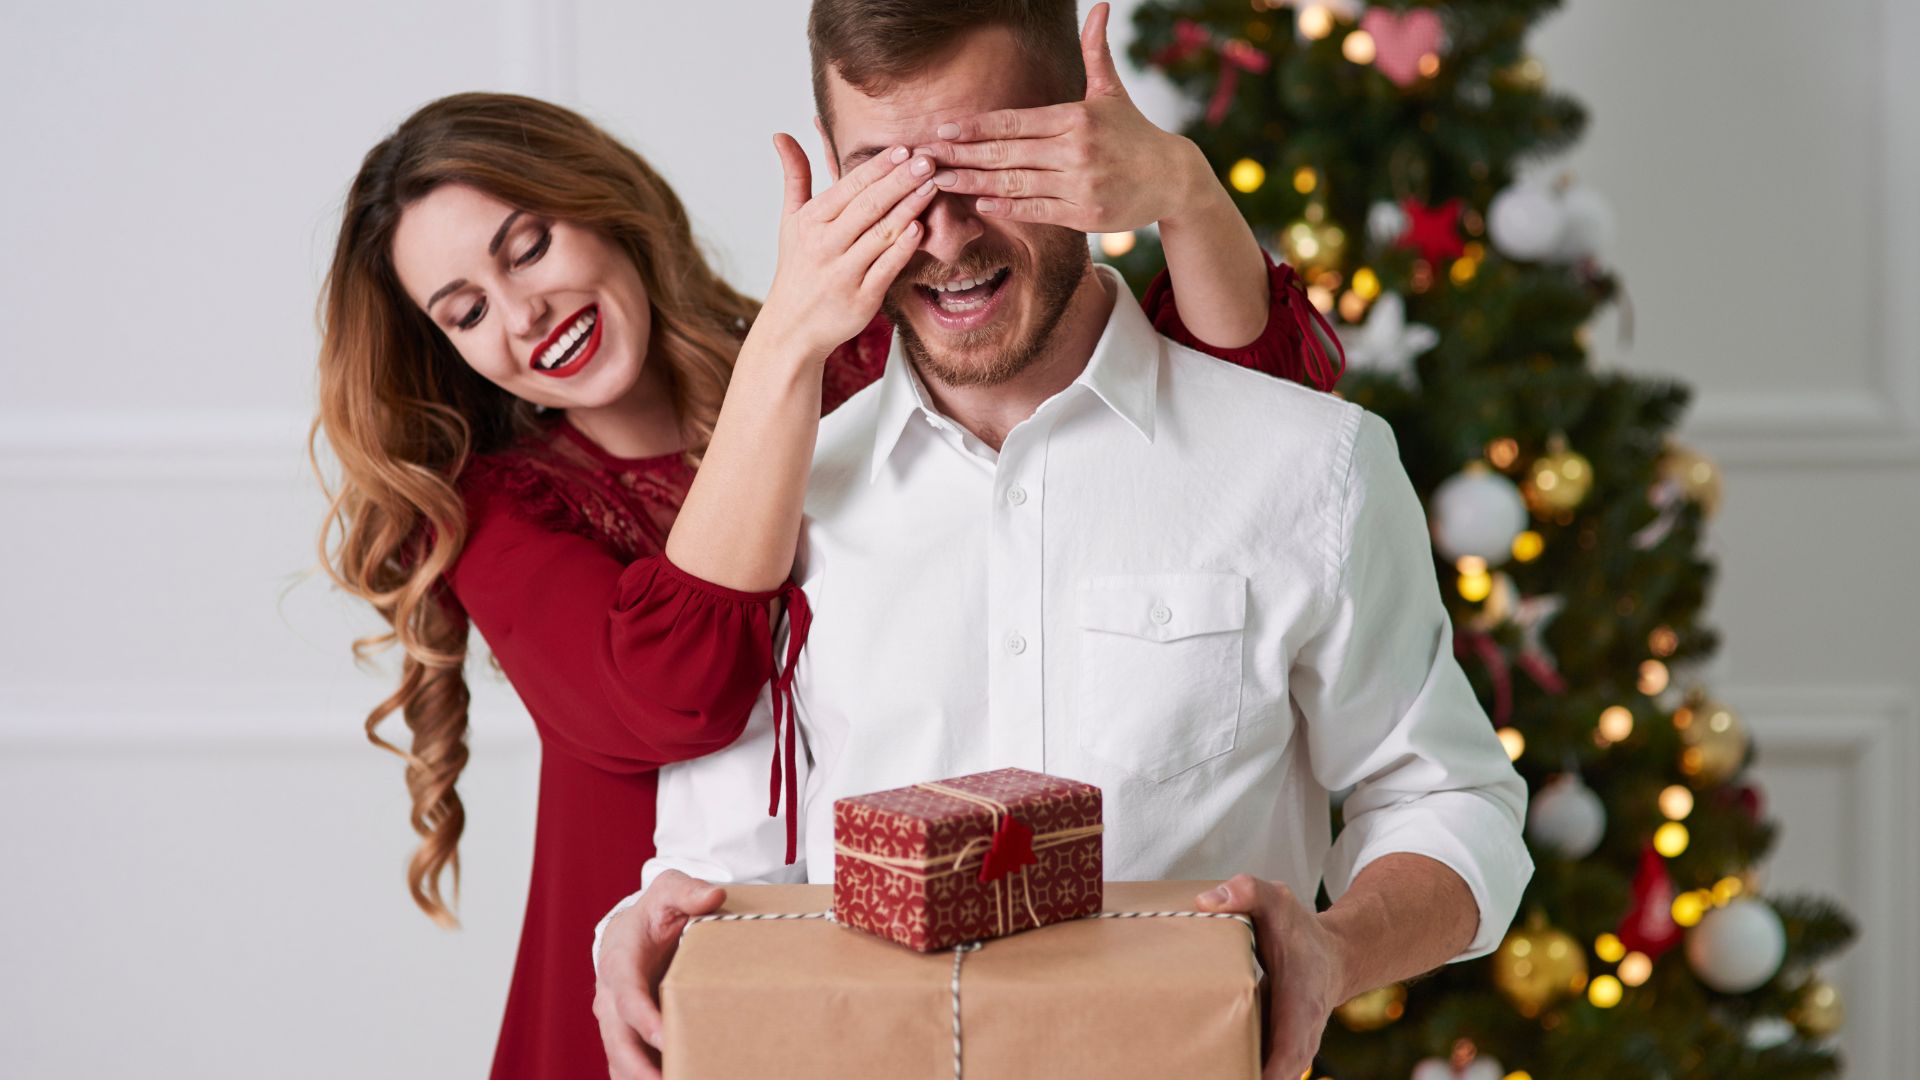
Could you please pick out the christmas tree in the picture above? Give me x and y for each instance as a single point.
(1376, 149)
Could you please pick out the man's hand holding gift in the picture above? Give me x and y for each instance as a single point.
(1316, 961)
(634, 954)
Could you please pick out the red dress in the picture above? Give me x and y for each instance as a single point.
(627, 663)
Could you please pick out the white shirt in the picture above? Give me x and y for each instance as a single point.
(1207, 591)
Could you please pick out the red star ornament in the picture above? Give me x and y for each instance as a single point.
(1648, 926)
(1434, 230)
(1012, 848)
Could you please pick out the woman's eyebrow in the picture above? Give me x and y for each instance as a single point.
(493, 248)
(500, 235)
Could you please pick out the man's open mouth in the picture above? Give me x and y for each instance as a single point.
(967, 302)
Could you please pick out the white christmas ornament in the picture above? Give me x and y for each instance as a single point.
(1480, 1068)
(1526, 221)
(1387, 341)
(1567, 817)
(1737, 948)
(1588, 227)
(1386, 223)
(1478, 512)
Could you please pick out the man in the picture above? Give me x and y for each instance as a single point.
(1050, 538)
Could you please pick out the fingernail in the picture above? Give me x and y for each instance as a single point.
(1223, 894)
(899, 155)
(987, 206)
(921, 166)
(926, 187)
(948, 131)
(944, 178)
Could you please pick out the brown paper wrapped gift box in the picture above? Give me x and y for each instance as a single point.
(1113, 999)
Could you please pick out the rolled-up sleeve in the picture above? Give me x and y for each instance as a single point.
(1390, 714)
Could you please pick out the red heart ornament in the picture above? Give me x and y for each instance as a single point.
(1400, 40)
(1012, 848)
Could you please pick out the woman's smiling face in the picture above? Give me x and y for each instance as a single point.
(551, 312)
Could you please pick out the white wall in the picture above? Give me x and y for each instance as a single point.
(203, 861)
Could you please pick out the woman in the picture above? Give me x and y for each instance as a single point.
(524, 361)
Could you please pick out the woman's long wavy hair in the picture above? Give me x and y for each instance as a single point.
(403, 414)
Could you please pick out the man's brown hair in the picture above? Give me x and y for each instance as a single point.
(874, 44)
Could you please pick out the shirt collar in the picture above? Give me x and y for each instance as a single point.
(1123, 372)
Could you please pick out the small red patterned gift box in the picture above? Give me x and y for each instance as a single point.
(975, 857)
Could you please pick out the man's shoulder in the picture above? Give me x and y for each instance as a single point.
(1297, 422)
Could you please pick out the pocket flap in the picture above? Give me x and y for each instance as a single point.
(1164, 607)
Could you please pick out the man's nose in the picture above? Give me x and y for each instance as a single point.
(951, 226)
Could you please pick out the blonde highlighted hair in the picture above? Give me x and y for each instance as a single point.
(402, 413)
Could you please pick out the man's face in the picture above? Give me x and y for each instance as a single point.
(981, 297)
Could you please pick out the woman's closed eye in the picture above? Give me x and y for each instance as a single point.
(531, 256)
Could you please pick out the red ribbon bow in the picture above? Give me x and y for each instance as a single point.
(1012, 848)
(1191, 38)
(799, 621)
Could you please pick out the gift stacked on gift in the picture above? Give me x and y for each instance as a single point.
(1017, 959)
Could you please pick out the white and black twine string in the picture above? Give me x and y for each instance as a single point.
(960, 951)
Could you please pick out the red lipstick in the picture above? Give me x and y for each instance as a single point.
(581, 352)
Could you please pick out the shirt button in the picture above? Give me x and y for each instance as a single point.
(1017, 495)
(1016, 644)
(1161, 614)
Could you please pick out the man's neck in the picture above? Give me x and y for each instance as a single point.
(989, 412)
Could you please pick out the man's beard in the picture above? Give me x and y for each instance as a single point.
(1063, 261)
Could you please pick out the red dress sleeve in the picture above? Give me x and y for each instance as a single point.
(627, 666)
(1287, 348)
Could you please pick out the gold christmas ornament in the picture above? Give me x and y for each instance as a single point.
(1374, 1009)
(1313, 245)
(1715, 741)
(1537, 966)
(1558, 480)
(1528, 74)
(1820, 1013)
(1695, 474)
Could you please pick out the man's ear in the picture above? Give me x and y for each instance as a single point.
(826, 144)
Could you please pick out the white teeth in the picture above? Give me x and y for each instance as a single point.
(966, 283)
(565, 341)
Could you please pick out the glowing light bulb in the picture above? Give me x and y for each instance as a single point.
(1688, 907)
(1358, 47)
(1676, 801)
(1608, 947)
(1316, 22)
(1636, 968)
(1514, 742)
(1247, 175)
(1653, 677)
(1115, 244)
(1670, 839)
(1528, 546)
(1366, 283)
(1604, 991)
(1616, 723)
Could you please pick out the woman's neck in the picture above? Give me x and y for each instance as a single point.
(641, 424)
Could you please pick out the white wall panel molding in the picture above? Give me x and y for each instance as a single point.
(541, 39)
(109, 446)
(1870, 736)
(292, 719)
(1877, 422)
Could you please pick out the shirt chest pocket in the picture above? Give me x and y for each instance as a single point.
(1158, 669)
